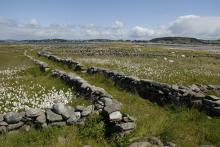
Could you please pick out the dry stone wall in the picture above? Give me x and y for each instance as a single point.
(102, 102)
(58, 115)
(70, 63)
(160, 93)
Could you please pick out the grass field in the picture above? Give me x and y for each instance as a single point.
(183, 126)
(159, 64)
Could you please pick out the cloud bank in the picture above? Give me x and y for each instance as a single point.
(205, 27)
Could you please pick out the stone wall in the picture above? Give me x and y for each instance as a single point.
(102, 101)
(58, 115)
(70, 63)
(162, 93)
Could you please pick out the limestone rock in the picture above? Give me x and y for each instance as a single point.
(112, 108)
(3, 123)
(53, 117)
(33, 112)
(126, 126)
(12, 117)
(115, 116)
(15, 126)
(41, 119)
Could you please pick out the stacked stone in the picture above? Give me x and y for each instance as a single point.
(70, 63)
(43, 66)
(162, 93)
(103, 102)
(58, 115)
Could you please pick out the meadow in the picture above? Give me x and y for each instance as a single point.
(23, 86)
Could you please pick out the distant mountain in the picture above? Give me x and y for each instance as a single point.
(183, 40)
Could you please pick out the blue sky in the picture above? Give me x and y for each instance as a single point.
(128, 19)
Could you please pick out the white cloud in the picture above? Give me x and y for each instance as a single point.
(118, 24)
(140, 32)
(207, 27)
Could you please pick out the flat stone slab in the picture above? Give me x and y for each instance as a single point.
(126, 126)
(15, 126)
(33, 112)
(53, 117)
(112, 108)
(115, 116)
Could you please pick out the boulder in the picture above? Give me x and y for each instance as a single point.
(12, 117)
(53, 117)
(33, 112)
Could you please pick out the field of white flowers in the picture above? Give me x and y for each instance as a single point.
(160, 64)
(22, 86)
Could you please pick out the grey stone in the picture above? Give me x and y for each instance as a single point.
(59, 108)
(112, 108)
(12, 117)
(115, 116)
(86, 111)
(3, 129)
(126, 126)
(195, 88)
(3, 123)
(33, 112)
(41, 119)
(107, 101)
(212, 97)
(15, 126)
(53, 117)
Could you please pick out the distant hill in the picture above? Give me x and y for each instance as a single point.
(183, 40)
(163, 40)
